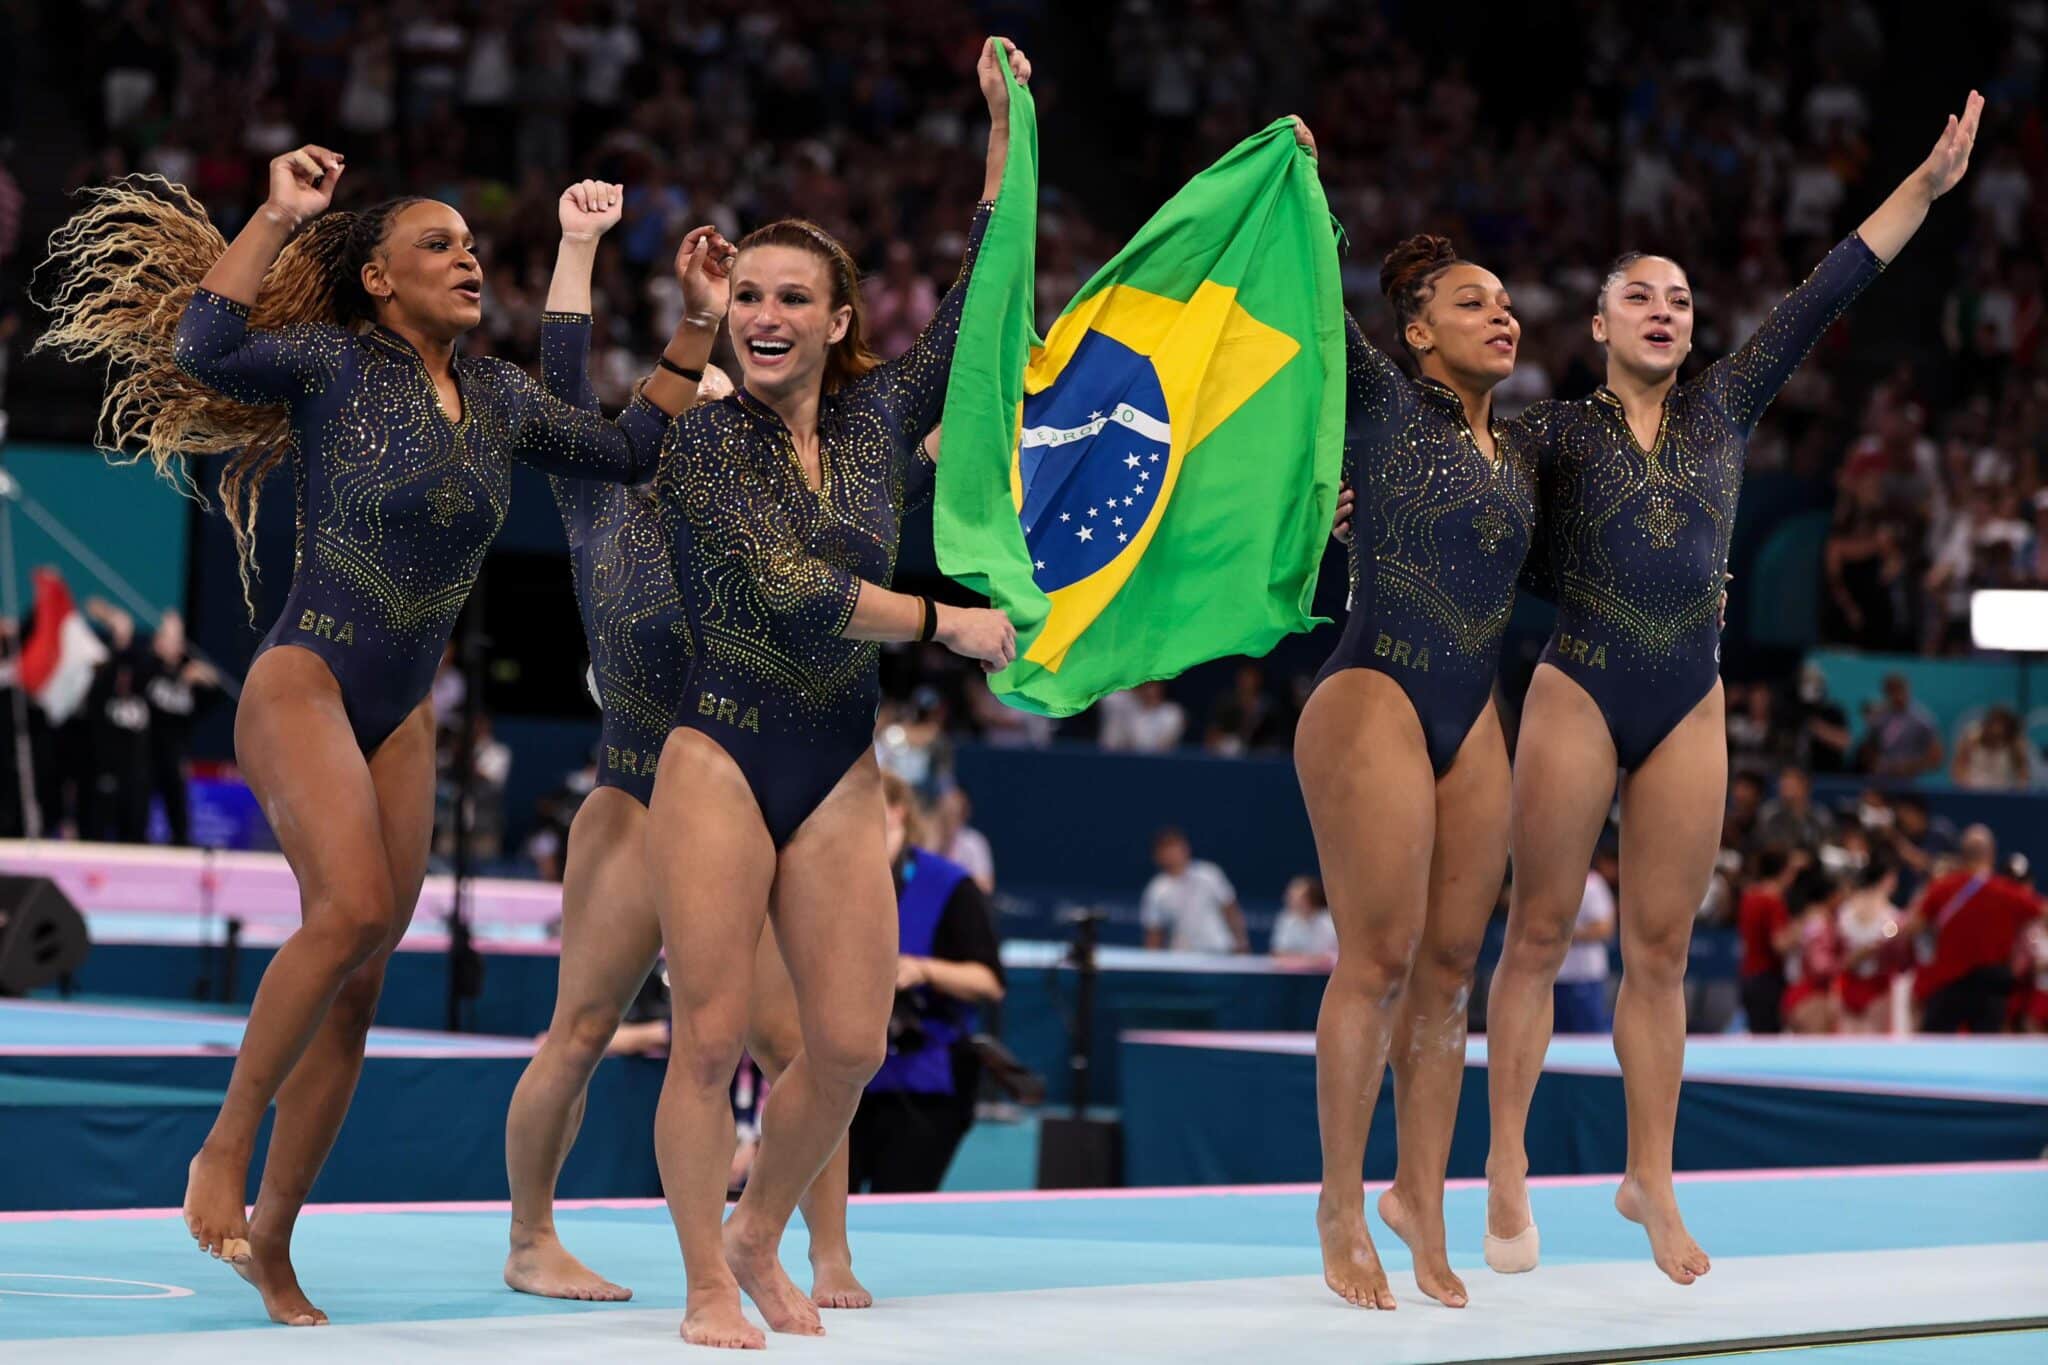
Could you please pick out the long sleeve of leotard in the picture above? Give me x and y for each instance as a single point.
(708, 476)
(565, 358)
(1377, 395)
(1745, 382)
(554, 437)
(565, 373)
(216, 346)
(911, 389)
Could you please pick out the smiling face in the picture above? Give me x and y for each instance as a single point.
(1468, 326)
(1645, 318)
(424, 274)
(782, 319)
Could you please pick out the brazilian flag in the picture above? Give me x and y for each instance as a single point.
(1151, 485)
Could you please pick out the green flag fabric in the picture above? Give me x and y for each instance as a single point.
(1151, 485)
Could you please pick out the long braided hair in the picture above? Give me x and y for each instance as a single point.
(121, 271)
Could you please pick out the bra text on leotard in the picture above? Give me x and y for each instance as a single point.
(630, 761)
(1401, 652)
(727, 710)
(1581, 651)
(323, 627)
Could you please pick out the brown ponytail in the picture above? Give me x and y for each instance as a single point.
(124, 267)
(850, 357)
(1409, 274)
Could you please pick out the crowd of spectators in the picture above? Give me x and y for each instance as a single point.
(1744, 148)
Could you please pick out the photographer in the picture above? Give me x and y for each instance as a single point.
(921, 1103)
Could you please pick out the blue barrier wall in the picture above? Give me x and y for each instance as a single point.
(1083, 819)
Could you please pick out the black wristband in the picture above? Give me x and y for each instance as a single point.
(930, 627)
(694, 376)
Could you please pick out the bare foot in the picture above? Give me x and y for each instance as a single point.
(1351, 1267)
(214, 1212)
(269, 1270)
(1424, 1235)
(1673, 1248)
(833, 1286)
(544, 1267)
(712, 1317)
(753, 1262)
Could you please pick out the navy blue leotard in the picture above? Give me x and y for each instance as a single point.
(633, 621)
(1437, 544)
(770, 568)
(396, 504)
(1637, 540)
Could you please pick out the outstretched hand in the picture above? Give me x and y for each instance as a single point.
(1951, 155)
(302, 182)
(589, 209)
(989, 71)
(704, 269)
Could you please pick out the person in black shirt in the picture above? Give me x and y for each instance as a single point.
(921, 1103)
(175, 685)
(115, 804)
(1820, 728)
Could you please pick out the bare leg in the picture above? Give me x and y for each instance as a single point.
(300, 758)
(1366, 777)
(1465, 871)
(1563, 784)
(315, 1098)
(775, 1037)
(610, 937)
(1670, 832)
(835, 922)
(713, 864)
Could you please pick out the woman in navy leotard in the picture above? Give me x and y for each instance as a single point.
(640, 649)
(1640, 486)
(788, 500)
(1400, 753)
(402, 468)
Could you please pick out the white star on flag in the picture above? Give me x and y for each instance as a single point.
(1155, 457)
(1066, 516)
(1121, 537)
(1130, 462)
(1144, 474)
(1091, 511)
(1038, 564)
(1117, 520)
(1086, 533)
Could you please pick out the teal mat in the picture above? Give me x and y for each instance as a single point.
(411, 1266)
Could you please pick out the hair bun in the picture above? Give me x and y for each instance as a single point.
(1414, 260)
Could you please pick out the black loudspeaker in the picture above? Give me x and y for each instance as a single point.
(1080, 1153)
(42, 935)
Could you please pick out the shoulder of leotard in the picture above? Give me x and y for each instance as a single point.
(497, 370)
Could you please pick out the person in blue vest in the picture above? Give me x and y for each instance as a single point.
(921, 1103)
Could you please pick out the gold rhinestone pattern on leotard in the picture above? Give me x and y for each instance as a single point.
(633, 619)
(1443, 527)
(397, 503)
(1638, 539)
(770, 567)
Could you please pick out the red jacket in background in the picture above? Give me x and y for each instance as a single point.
(1981, 932)
(1760, 916)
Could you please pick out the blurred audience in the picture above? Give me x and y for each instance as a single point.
(1304, 927)
(1189, 906)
